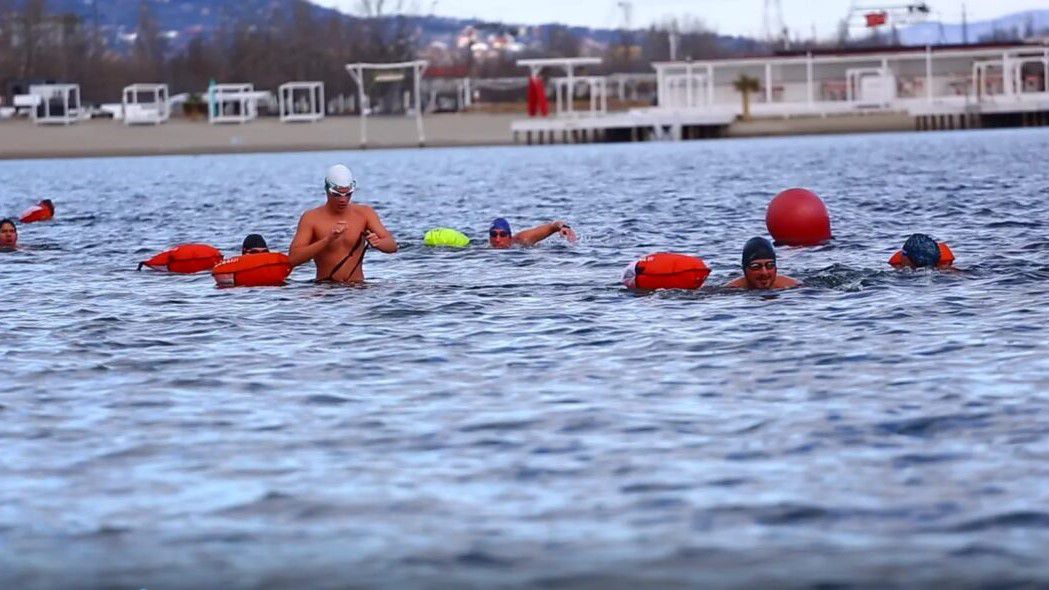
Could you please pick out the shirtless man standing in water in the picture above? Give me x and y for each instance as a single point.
(336, 234)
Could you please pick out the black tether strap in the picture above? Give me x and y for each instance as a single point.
(347, 258)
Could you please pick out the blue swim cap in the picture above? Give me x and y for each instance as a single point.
(500, 223)
(757, 249)
(922, 250)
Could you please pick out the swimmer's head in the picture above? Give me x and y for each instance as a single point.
(339, 185)
(8, 234)
(254, 244)
(499, 235)
(921, 250)
(759, 263)
(50, 206)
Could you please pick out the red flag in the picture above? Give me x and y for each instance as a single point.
(876, 19)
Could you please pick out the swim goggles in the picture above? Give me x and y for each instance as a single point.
(342, 191)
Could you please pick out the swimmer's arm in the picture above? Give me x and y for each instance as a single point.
(380, 237)
(301, 249)
(740, 283)
(533, 236)
(783, 282)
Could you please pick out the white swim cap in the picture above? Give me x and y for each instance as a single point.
(339, 180)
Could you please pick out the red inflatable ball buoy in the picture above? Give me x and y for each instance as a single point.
(42, 211)
(185, 259)
(899, 259)
(265, 269)
(798, 217)
(665, 270)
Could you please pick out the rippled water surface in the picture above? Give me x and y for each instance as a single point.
(516, 418)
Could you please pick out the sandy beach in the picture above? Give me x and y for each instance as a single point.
(105, 137)
(21, 139)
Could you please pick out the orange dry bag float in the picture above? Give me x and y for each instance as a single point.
(899, 259)
(42, 211)
(185, 259)
(665, 270)
(265, 269)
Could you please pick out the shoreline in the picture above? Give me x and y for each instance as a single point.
(23, 140)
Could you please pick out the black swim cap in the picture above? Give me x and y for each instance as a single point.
(254, 241)
(922, 250)
(5, 221)
(757, 249)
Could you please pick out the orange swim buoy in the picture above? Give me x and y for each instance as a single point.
(42, 211)
(899, 259)
(666, 270)
(185, 259)
(265, 269)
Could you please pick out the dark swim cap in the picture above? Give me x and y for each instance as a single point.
(922, 250)
(500, 223)
(47, 203)
(254, 241)
(6, 221)
(757, 249)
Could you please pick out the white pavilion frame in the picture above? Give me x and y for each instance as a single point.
(153, 112)
(356, 70)
(44, 93)
(564, 94)
(953, 80)
(242, 95)
(569, 64)
(314, 92)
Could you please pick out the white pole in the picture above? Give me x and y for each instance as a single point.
(809, 77)
(660, 87)
(418, 69)
(571, 87)
(768, 83)
(358, 74)
(710, 85)
(690, 99)
(928, 74)
(1007, 75)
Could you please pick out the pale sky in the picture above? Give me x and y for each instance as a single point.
(731, 17)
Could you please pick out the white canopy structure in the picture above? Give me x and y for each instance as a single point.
(418, 67)
(569, 65)
(301, 101)
(233, 103)
(146, 104)
(55, 104)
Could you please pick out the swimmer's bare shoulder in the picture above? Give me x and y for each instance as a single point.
(781, 283)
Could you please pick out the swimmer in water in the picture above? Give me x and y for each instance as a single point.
(254, 244)
(8, 236)
(921, 251)
(336, 234)
(500, 236)
(759, 268)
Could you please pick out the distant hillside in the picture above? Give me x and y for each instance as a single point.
(184, 19)
(1015, 25)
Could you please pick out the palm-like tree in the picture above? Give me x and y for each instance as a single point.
(745, 84)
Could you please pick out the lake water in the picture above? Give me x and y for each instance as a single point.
(487, 418)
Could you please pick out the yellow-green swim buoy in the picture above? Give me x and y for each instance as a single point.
(443, 237)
